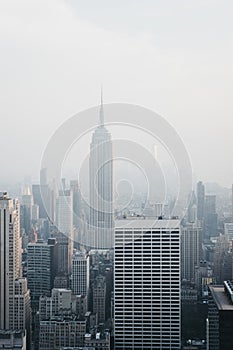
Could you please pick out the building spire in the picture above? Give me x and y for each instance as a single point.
(101, 113)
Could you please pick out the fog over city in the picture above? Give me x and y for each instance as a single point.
(173, 57)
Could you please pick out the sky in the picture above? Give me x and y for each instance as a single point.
(174, 57)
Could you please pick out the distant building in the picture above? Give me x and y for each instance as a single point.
(200, 201)
(64, 252)
(99, 298)
(74, 186)
(191, 247)
(228, 230)
(147, 284)
(64, 219)
(40, 269)
(220, 317)
(80, 274)
(210, 217)
(101, 186)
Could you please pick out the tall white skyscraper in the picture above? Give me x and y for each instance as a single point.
(147, 284)
(101, 186)
(10, 257)
(14, 295)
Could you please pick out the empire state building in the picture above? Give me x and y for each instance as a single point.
(101, 186)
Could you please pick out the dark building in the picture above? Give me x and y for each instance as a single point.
(41, 269)
(210, 217)
(200, 200)
(220, 317)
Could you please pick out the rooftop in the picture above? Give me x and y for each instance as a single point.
(147, 224)
(220, 297)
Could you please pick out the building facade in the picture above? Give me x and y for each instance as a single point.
(147, 284)
(80, 274)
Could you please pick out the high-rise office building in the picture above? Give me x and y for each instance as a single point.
(220, 317)
(64, 253)
(191, 247)
(101, 186)
(41, 268)
(10, 258)
(26, 211)
(64, 219)
(74, 186)
(80, 274)
(147, 284)
(210, 217)
(99, 298)
(200, 200)
(14, 295)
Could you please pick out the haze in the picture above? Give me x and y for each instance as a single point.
(174, 57)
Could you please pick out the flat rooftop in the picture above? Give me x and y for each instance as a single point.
(147, 224)
(220, 298)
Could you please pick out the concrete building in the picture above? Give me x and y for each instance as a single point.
(61, 332)
(147, 284)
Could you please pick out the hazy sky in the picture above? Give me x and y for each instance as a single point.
(174, 57)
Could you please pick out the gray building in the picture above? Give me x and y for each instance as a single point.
(99, 298)
(62, 332)
(40, 269)
(101, 187)
(80, 273)
(191, 247)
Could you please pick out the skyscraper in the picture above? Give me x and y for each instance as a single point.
(99, 298)
(147, 284)
(64, 219)
(190, 250)
(200, 200)
(80, 274)
(210, 217)
(101, 186)
(40, 270)
(14, 295)
(10, 257)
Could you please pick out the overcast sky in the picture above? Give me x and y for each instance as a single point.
(174, 57)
